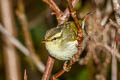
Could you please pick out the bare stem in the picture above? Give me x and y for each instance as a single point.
(23, 20)
(25, 75)
(114, 68)
(48, 69)
(21, 47)
(12, 64)
(114, 60)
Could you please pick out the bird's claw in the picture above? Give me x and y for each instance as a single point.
(67, 69)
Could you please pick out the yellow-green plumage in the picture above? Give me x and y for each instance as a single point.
(62, 41)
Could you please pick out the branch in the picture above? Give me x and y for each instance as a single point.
(80, 33)
(25, 75)
(48, 69)
(109, 49)
(108, 11)
(114, 64)
(28, 40)
(53, 6)
(73, 14)
(23, 49)
(114, 60)
(66, 13)
(62, 17)
(114, 68)
(11, 58)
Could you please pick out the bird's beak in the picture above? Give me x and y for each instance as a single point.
(45, 41)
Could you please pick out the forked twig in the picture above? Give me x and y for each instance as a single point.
(62, 17)
(66, 13)
(53, 6)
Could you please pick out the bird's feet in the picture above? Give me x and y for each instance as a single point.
(65, 68)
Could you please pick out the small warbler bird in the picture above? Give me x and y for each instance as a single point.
(61, 41)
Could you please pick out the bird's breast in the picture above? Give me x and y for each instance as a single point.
(62, 52)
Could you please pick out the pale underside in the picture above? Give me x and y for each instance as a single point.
(65, 44)
(64, 52)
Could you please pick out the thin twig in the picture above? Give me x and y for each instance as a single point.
(116, 8)
(11, 58)
(25, 75)
(115, 25)
(114, 65)
(73, 14)
(21, 47)
(114, 60)
(62, 17)
(114, 68)
(66, 13)
(109, 49)
(53, 6)
(28, 40)
(48, 68)
(108, 11)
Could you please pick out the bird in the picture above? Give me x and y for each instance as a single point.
(61, 41)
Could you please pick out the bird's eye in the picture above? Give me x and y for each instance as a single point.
(54, 38)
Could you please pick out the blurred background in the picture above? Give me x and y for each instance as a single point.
(35, 15)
